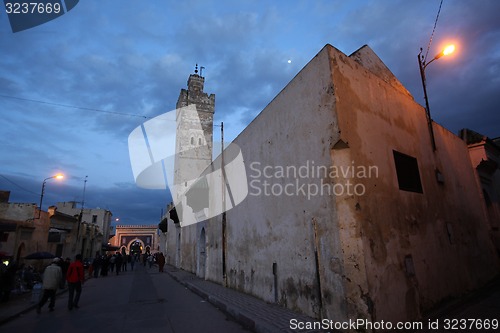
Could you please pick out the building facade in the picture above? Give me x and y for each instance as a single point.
(131, 237)
(93, 217)
(23, 228)
(350, 212)
(485, 156)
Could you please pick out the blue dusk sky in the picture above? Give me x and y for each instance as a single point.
(73, 89)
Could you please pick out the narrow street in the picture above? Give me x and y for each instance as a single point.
(139, 300)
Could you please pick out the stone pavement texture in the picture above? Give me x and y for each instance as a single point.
(262, 317)
(19, 304)
(251, 312)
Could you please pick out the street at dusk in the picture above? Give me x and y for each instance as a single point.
(267, 166)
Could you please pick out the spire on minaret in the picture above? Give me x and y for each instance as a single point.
(196, 69)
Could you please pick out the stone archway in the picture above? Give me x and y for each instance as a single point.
(132, 247)
(202, 254)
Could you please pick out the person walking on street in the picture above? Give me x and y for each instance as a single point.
(150, 260)
(118, 262)
(125, 261)
(52, 277)
(112, 260)
(96, 263)
(64, 268)
(133, 259)
(75, 278)
(160, 259)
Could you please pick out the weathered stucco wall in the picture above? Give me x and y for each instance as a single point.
(276, 223)
(347, 243)
(418, 248)
(31, 235)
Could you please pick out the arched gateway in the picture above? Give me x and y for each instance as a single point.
(136, 238)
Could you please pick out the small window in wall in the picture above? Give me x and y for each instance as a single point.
(192, 140)
(407, 172)
(199, 141)
(439, 177)
(94, 218)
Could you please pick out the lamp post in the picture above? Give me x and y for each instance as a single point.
(422, 65)
(58, 176)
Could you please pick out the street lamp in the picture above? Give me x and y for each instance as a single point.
(58, 176)
(422, 65)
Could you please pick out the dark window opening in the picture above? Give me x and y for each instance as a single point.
(54, 237)
(409, 267)
(407, 172)
(439, 177)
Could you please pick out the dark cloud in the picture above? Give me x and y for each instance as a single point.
(134, 59)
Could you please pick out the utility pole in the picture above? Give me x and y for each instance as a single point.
(80, 216)
(224, 239)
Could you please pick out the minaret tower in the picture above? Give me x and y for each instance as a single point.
(194, 134)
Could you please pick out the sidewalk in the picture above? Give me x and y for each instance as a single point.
(20, 304)
(251, 312)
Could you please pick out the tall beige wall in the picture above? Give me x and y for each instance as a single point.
(383, 254)
(441, 232)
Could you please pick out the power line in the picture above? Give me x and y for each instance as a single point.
(22, 188)
(433, 29)
(74, 107)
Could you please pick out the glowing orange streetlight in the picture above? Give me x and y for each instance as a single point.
(449, 49)
(58, 176)
(422, 65)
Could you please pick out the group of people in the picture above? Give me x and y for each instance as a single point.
(118, 262)
(59, 272)
(54, 278)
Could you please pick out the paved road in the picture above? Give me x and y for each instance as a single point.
(139, 301)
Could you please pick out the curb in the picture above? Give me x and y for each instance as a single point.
(246, 320)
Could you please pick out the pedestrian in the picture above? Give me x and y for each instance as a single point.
(104, 265)
(150, 260)
(96, 263)
(64, 268)
(52, 277)
(133, 258)
(8, 280)
(160, 259)
(118, 262)
(75, 277)
(125, 261)
(112, 261)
